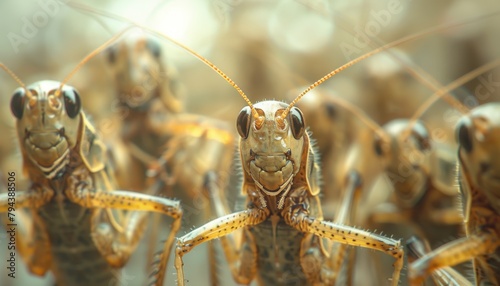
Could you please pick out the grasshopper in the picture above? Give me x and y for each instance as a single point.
(254, 215)
(476, 135)
(160, 139)
(281, 177)
(78, 228)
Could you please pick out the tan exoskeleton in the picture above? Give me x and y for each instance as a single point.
(77, 227)
(418, 247)
(477, 136)
(154, 129)
(160, 140)
(283, 225)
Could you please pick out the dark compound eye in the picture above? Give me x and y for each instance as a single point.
(243, 122)
(377, 146)
(331, 110)
(297, 123)
(463, 136)
(17, 103)
(72, 102)
(422, 136)
(154, 48)
(111, 53)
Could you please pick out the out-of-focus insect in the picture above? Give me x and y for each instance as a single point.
(81, 228)
(477, 136)
(173, 146)
(283, 224)
(222, 230)
(418, 247)
(154, 129)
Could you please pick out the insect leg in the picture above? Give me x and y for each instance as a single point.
(134, 202)
(346, 214)
(445, 276)
(26, 199)
(298, 218)
(218, 228)
(453, 253)
(31, 242)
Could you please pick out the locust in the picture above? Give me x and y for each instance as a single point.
(160, 140)
(80, 227)
(258, 202)
(476, 134)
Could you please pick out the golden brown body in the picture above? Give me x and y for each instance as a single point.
(74, 225)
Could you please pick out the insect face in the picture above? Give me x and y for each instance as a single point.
(136, 63)
(407, 159)
(271, 145)
(479, 137)
(47, 122)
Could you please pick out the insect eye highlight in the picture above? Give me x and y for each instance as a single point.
(297, 123)
(17, 103)
(72, 102)
(463, 136)
(154, 48)
(243, 122)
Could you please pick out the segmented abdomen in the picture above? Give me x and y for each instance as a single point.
(75, 259)
(283, 267)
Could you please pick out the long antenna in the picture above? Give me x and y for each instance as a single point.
(186, 48)
(90, 56)
(383, 48)
(17, 79)
(415, 71)
(453, 85)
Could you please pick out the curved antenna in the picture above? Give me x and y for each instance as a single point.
(362, 116)
(453, 85)
(90, 56)
(415, 71)
(17, 79)
(383, 48)
(86, 8)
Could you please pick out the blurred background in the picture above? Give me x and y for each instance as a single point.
(269, 48)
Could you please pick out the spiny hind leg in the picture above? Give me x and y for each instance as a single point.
(219, 228)
(124, 200)
(419, 247)
(453, 253)
(297, 217)
(345, 216)
(30, 239)
(220, 207)
(326, 269)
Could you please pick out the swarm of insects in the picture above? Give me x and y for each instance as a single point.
(76, 224)
(297, 200)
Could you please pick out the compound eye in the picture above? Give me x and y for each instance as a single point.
(243, 122)
(463, 136)
(377, 146)
(154, 48)
(17, 103)
(111, 54)
(297, 122)
(422, 136)
(72, 102)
